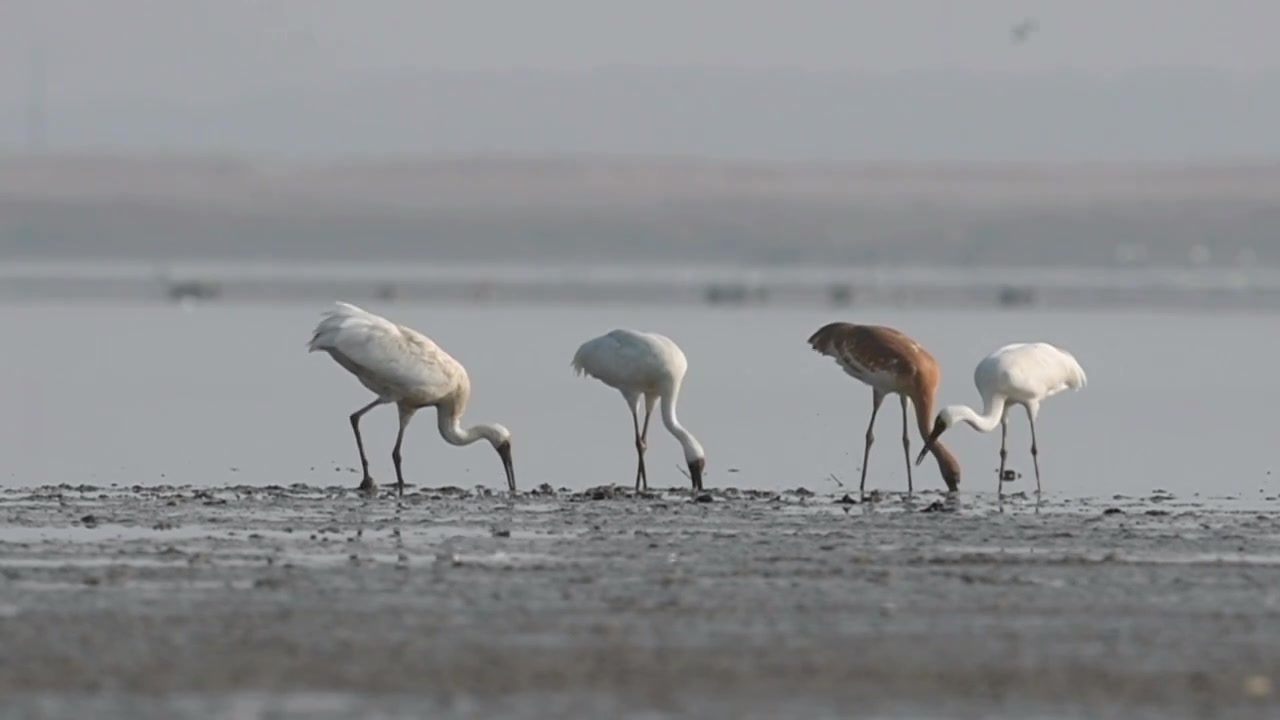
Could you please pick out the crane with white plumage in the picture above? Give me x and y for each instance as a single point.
(648, 366)
(1019, 374)
(403, 366)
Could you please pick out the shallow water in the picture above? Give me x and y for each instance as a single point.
(144, 394)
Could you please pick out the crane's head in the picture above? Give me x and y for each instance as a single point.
(696, 466)
(944, 420)
(694, 456)
(500, 438)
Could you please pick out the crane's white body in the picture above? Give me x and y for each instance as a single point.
(396, 362)
(403, 366)
(1018, 374)
(647, 366)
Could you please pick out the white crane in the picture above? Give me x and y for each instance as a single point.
(1018, 374)
(403, 366)
(648, 365)
(890, 362)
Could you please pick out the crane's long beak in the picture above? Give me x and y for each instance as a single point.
(695, 472)
(504, 452)
(938, 429)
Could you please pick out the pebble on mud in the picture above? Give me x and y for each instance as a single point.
(703, 498)
(1257, 686)
(1113, 511)
(89, 521)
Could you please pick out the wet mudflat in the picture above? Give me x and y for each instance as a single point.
(317, 602)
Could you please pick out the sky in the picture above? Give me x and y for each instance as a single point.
(152, 56)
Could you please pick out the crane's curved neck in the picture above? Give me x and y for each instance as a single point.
(692, 448)
(923, 404)
(985, 422)
(449, 419)
(948, 465)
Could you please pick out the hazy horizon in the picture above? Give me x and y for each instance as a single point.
(1146, 116)
(814, 80)
(292, 99)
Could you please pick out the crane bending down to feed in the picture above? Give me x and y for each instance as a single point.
(1019, 374)
(890, 362)
(403, 366)
(648, 365)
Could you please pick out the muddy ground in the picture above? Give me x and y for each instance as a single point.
(244, 602)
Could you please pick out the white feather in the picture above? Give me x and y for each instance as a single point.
(403, 366)
(641, 365)
(1028, 372)
(395, 362)
(1019, 374)
(638, 361)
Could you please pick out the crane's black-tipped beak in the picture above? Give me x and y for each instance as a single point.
(695, 472)
(923, 451)
(504, 452)
(938, 429)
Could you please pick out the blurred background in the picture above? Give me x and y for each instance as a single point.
(878, 162)
(739, 150)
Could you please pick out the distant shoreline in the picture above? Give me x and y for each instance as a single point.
(557, 210)
(640, 284)
(404, 183)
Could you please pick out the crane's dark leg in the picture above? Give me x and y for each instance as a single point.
(906, 443)
(1004, 455)
(632, 402)
(1035, 453)
(877, 397)
(406, 414)
(366, 483)
(644, 437)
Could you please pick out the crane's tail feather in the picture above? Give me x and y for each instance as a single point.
(828, 339)
(1076, 377)
(333, 321)
(587, 360)
(577, 364)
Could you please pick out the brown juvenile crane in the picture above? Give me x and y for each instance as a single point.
(890, 362)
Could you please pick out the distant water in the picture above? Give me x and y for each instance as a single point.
(151, 393)
(1243, 287)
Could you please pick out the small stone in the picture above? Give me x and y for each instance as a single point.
(1257, 687)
